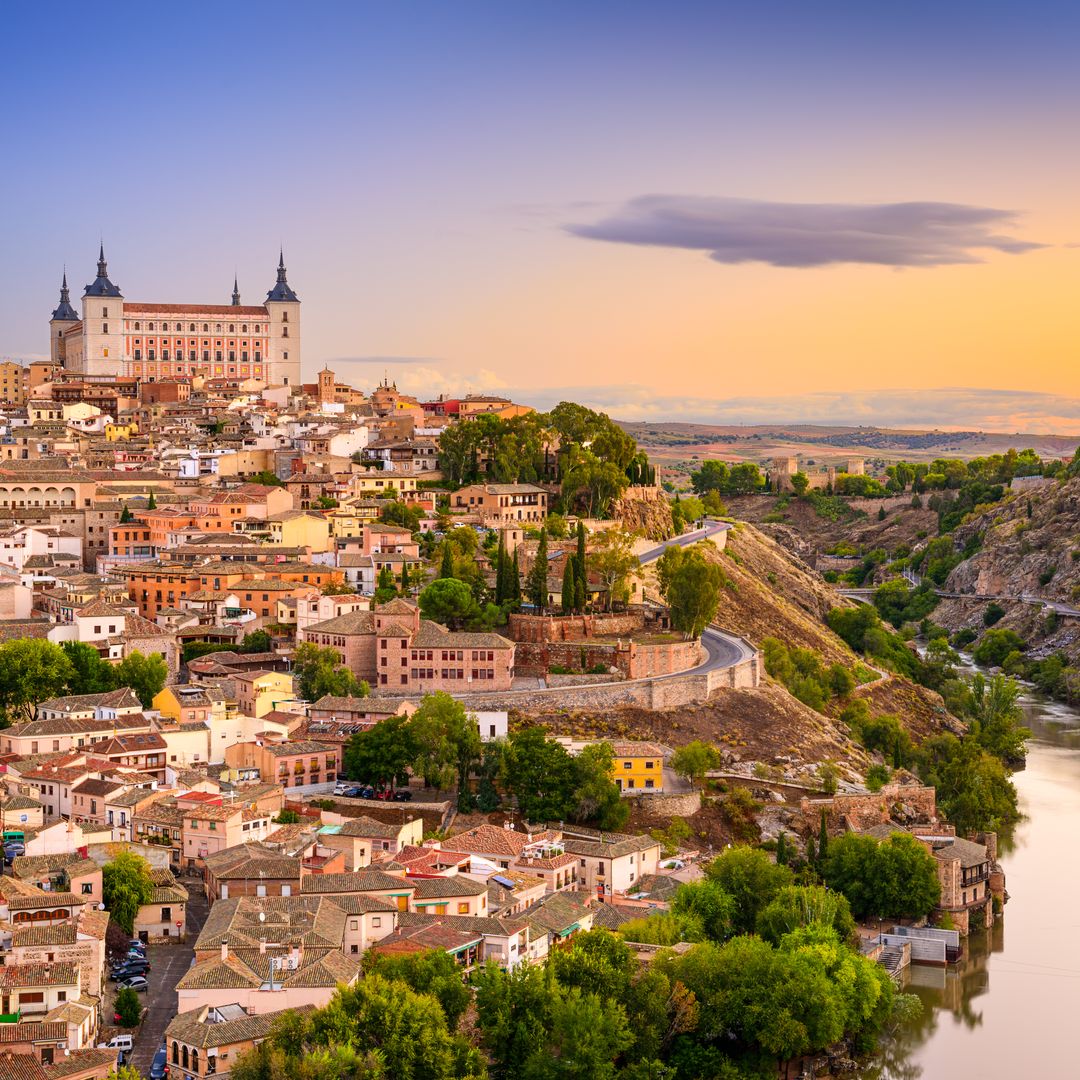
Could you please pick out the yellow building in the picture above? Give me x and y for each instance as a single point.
(382, 483)
(300, 528)
(261, 692)
(14, 383)
(639, 766)
(350, 520)
(121, 431)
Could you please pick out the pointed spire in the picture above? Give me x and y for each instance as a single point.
(102, 286)
(64, 310)
(281, 290)
(235, 292)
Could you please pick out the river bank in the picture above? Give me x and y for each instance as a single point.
(1008, 1009)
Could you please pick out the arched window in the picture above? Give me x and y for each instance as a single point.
(136, 326)
(175, 1052)
(178, 328)
(149, 326)
(191, 328)
(184, 1057)
(232, 328)
(205, 328)
(243, 328)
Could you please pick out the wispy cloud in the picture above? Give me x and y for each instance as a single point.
(947, 409)
(811, 234)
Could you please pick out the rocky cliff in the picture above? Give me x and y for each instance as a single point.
(650, 517)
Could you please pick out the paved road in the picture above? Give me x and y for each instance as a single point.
(168, 962)
(711, 529)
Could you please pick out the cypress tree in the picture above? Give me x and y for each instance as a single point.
(447, 568)
(823, 839)
(500, 571)
(579, 570)
(125, 515)
(537, 585)
(580, 591)
(405, 578)
(569, 589)
(514, 581)
(151, 503)
(781, 850)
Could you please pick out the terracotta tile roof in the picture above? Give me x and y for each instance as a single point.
(217, 310)
(490, 839)
(359, 881)
(191, 1029)
(13, 976)
(252, 860)
(80, 1061)
(438, 887)
(54, 934)
(40, 899)
(432, 635)
(33, 1031)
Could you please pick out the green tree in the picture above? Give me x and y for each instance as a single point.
(318, 671)
(126, 885)
(91, 674)
(537, 585)
(997, 718)
(31, 670)
(797, 906)
(151, 502)
(706, 911)
(614, 561)
(266, 477)
(405, 578)
(126, 515)
(433, 971)
(694, 760)
(447, 743)
(995, 645)
(597, 798)
(896, 878)
(712, 476)
(385, 586)
(383, 753)
(694, 594)
(541, 775)
(513, 594)
(287, 817)
(128, 1007)
(258, 641)
(145, 675)
(751, 879)
(799, 483)
(569, 588)
(408, 1030)
(448, 601)
(446, 570)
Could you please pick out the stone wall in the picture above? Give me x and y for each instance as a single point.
(663, 658)
(537, 658)
(664, 693)
(893, 802)
(667, 805)
(543, 628)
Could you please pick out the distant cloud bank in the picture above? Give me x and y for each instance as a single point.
(950, 408)
(802, 235)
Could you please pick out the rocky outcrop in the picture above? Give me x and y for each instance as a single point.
(651, 517)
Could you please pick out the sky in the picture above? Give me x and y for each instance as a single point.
(721, 212)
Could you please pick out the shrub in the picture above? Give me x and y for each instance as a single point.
(128, 1007)
(995, 645)
(994, 613)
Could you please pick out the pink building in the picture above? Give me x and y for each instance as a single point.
(400, 653)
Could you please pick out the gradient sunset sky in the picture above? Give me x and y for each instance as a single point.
(721, 212)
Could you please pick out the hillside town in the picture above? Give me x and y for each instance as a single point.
(306, 684)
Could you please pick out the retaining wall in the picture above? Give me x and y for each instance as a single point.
(667, 805)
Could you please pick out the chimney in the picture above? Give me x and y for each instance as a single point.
(262, 946)
(294, 957)
(224, 949)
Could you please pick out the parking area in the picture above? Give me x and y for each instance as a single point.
(168, 962)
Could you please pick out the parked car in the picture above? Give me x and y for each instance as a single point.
(385, 795)
(352, 793)
(340, 788)
(137, 983)
(402, 795)
(135, 943)
(118, 1042)
(367, 792)
(119, 974)
(160, 1067)
(130, 961)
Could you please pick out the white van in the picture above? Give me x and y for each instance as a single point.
(118, 1042)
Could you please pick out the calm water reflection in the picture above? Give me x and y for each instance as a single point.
(1012, 1009)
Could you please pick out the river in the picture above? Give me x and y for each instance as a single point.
(1010, 1008)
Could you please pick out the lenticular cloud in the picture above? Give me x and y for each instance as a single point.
(811, 234)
